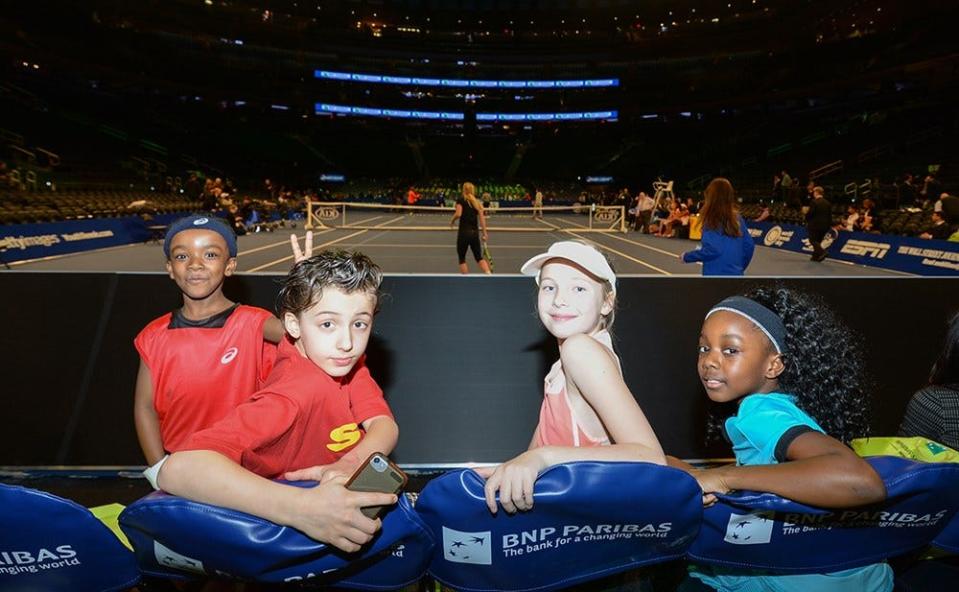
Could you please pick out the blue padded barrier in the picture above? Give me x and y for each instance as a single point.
(589, 520)
(764, 531)
(52, 544)
(948, 539)
(178, 538)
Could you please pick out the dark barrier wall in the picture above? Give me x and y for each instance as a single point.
(461, 359)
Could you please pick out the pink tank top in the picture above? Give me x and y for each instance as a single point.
(558, 425)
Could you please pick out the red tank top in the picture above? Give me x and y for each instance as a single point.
(200, 374)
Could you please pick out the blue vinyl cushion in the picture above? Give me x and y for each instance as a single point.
(52, 544)
(176, 537)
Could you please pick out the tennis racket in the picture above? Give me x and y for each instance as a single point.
(487, 255)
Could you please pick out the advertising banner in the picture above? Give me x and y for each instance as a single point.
(900, 253)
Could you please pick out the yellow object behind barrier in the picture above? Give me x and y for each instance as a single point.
(109, 515)
(695, 228)
(916, 448)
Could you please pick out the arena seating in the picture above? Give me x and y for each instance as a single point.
(26, 208)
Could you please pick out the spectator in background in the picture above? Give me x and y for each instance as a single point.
(726, 247)
(851, 222)
(270, 188)
(931, 187)
(949, 206)
(777, 187)
(411, 196)
(682, 224)
(644, 211)
(787, 185)
(939, 229)
(672, 215)
(764, 212)
(933, 412)
(908, 190)
(193, 188)
(867, 217)
(818, 223)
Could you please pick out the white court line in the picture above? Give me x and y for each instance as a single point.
(315, 247)
(612, 250)
(639, 244)
(632, 242)
(382, 224)
(439, 245)
(620, 253)
(286, 242)
(363, 221)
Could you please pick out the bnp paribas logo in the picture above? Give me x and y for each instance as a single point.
(467, 547)
(748, 529)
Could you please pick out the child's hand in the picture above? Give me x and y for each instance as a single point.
(307, 251)
(514, 480)
(319, 473)
(711, 481)
(330, 513)
(315, 473)
(345, 467)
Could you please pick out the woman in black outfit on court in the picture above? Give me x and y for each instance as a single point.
(469, 210)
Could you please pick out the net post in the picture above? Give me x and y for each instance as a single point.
(592, 214)
(344, 213)
(309, 215)
(622, 219)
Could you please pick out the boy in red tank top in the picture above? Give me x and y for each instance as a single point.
(205, 358)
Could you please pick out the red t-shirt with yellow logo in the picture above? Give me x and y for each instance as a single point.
(302, 417)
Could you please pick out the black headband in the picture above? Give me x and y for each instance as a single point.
(767, 321)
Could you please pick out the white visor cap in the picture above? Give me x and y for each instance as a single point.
(583, 255)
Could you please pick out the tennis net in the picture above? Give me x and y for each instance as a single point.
(499, 218)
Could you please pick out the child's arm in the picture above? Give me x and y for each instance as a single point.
(382, 433)
(588, 364)
(145, 417)
(820, 471)
(328, 512)
(273, 330)
(709, 249)
(534, 439)
(677, 463)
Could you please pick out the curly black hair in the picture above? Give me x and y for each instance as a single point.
(824, 364)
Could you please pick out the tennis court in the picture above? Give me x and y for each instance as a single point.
(420, 240)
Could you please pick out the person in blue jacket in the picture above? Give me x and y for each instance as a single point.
(726, 247)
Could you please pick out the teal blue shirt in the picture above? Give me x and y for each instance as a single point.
(757, 429)
(757, 434)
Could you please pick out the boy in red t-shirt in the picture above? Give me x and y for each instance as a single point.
(205, 358)
(319, 411)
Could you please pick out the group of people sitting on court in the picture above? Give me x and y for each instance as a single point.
(230, 397)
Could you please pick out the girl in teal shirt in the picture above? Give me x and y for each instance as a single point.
(795, 376)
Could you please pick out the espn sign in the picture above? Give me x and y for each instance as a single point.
(861, 248)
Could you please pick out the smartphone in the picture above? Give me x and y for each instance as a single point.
(377, 473)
